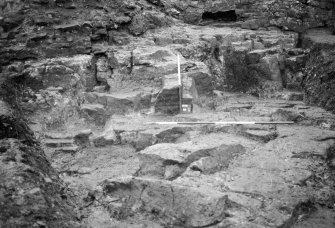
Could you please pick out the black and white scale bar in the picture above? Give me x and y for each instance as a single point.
(220, 123)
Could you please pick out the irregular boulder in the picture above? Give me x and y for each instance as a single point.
(260, 135)
(285, 115)
(138, 140)
(218, 159)
(290, 96)
(103, 70)
(150, 64)
(157, 159)
(107, 137)
(120, 103)
(82, 137)
(142, 139)
(95, 113)
(148, 20)
(73, 72)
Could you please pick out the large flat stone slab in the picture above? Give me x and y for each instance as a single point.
(170, 160)
(107, 137)
(120, 103)
(260, 135)
(142, 139)
(183, 206)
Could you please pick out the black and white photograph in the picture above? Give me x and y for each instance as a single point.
(167, 113)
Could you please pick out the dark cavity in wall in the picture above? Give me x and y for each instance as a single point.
(299, 40)
(227, 16)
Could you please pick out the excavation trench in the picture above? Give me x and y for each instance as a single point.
(88, 75)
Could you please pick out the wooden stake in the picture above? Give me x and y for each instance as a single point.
(181, 98)
(179, 74)
(180, 86)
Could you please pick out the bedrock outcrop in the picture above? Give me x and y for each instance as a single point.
(109, 46)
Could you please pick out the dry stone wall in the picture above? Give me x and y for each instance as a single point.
(192, 11)
(302, 15)
(293, 15)
(72, 39)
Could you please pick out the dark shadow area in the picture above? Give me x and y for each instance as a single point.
(227, 16)
(299, 40)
